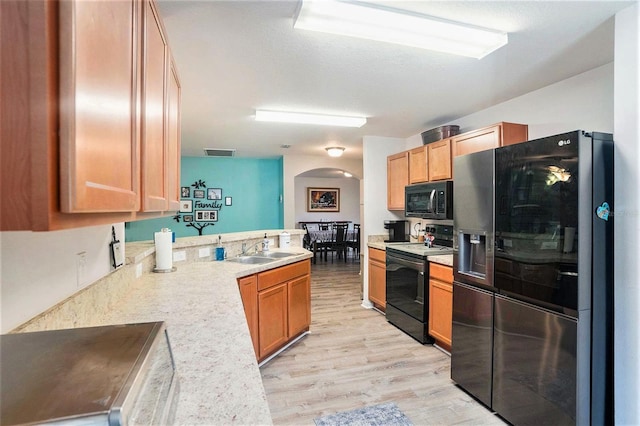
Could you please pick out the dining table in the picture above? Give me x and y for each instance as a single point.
(320, 239)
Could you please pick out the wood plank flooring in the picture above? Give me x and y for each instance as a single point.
(354, 358)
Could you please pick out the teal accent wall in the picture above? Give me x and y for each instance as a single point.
(254, 184)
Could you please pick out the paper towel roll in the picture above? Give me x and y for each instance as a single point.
(164, 255)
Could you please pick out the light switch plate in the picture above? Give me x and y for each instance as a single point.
(179, 256)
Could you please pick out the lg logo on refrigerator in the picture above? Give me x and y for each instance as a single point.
(564, 142)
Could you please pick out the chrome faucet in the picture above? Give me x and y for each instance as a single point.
(244, 248)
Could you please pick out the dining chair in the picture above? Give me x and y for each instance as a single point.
(338, 247)
(354, 242)
(306, 240)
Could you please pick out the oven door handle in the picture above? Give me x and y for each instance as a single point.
(418, 266)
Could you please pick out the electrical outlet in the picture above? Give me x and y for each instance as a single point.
(204, 252)
(81, 266)
(179, 256)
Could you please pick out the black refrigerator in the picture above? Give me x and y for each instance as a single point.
(552, 288)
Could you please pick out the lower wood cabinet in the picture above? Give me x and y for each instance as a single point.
(272, 319)
(277, 304)
(299, 305)
(440, 303)
(249, 293)
(378, 278)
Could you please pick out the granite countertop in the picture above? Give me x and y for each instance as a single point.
(220, 382)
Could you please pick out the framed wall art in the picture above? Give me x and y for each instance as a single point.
(206, 215)
(198, 193)
(227, 201)
(214, 194)
(185, 191)
(186, 206)
(323, 199)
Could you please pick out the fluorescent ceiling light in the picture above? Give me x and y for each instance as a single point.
(335, 151)
(375, 22)
(304, 118)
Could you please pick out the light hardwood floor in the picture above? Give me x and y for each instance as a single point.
(355, 358)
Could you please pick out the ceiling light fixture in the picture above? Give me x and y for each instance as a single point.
(335, 151)
(375, 22)
(305, 118)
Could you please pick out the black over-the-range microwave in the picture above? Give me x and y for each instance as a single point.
(433, 200)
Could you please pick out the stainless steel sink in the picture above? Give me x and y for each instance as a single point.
(252, 260)
(275, 254)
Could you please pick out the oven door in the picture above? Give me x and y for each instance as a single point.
(406, 285)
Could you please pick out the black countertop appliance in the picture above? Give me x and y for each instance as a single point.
(398, 230)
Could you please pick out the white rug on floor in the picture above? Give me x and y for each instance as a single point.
(377, 415)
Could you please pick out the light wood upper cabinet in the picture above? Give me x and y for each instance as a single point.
(377, 278)
(98, 95)
(397, 179)
(418, 165)
(71, 114)
(440, 303)
(155, 155)
(439, 159)
(494, 136)
(174, 123)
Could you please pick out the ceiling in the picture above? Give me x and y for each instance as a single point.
(236, 56)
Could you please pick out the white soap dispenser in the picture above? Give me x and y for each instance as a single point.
(265, 243)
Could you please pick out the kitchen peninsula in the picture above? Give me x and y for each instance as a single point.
(218, 374)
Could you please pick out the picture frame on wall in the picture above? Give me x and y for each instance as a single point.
(186, 206)
(227, 201)
(198, 193)
(214, 194)
(187, 218)
(206, 215)
(185, 192)
(323, 199)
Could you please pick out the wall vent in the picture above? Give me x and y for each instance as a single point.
(215, 152)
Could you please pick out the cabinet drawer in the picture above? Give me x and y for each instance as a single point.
(376, 254)
(441, 272)
(279, 275)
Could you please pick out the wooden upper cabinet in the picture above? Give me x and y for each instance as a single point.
(397, 179)
(439, 160)
(494, 136)
(98, 94)
(155, 144)
(174, 122)
(418, 165)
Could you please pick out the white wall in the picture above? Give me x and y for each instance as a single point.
(349, 199)
(40, 269)
(293, 165)
(582, 102)
(627, 217)
(374, 162)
